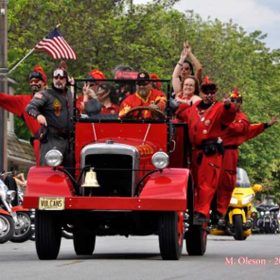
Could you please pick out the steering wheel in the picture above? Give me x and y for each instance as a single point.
(136, 113)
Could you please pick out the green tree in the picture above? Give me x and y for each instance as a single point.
(107, 33)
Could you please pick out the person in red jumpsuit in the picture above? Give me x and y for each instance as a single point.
(16, 103)
(145, 95)
(206, 120)
(238, 132)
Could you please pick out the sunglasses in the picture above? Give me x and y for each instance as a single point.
(186, 68)
(59, 77)
(234, 100)
(209, 92)
(34, 80)
(142, 83)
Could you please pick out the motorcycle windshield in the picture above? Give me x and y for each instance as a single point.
(242, 179)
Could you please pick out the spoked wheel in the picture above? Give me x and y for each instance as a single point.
(171, 233)
(23, 230)
(7, 228)
(196, 240)
(48, 235)
(84, 242)
(238, 228)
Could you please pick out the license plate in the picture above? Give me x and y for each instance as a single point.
(51, 203)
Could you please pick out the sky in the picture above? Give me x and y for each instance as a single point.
(263, 15)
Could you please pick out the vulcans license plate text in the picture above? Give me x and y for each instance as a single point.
(51, 203)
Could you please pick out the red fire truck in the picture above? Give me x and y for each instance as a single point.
(131, 178)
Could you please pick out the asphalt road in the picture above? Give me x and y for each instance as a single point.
(138, 258)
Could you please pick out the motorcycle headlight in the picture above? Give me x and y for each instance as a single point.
(233, 201)
(53, 157)
(10, 196)
(246, 199)
(160, 160)
(267, 212)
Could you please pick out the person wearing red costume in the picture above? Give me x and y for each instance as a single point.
(16, 103)
(206, 120)
(145, 95)
(155, 81)
(238, 132)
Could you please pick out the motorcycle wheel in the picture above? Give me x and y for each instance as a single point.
(23, 230)
(238, 228)
(7, 228)
(267, 228)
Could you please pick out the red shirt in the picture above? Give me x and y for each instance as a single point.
(135, 100)
(235, 132)
(207, 124)
(254, 130)
(112, 109)
(16, 104)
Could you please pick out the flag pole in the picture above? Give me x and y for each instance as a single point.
(27, 55)
(18, 63)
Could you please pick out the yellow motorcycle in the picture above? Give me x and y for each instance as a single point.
(237, 221)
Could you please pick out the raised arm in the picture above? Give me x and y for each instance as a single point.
(176, 80)
(197, 66)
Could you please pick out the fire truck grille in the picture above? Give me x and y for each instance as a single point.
(113, 173)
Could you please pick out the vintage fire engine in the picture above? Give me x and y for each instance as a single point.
(131, 178)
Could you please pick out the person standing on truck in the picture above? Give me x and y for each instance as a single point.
(52, 108)
(145, 95)
(238, 132)
(206, 120)
(185, 68)
(16, 104)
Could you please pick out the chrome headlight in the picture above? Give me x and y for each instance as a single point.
(53, 157)
(233, 201)
(160, 160)
(10, 196)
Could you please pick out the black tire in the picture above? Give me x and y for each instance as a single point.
(267, 228)
(84, 242)
(171, 235)
(238, 228)
(7, 228)
(196, 240)
(23, 231)
(48, 235)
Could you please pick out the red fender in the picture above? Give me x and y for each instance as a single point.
(19, 208)
(44, 181)
(4, 212)
(170, 183)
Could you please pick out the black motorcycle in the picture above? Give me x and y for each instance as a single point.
(268, 218)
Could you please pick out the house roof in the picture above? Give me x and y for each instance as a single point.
(19, 150)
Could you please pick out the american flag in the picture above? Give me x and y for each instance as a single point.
(55, 45)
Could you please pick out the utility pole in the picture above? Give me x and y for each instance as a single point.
(3, 80)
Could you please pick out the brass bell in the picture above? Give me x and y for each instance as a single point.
(90, 180)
